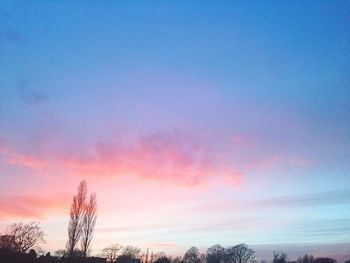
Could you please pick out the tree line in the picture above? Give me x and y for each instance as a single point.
(21, 242)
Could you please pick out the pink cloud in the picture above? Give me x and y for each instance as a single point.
(33, 206)
(169, 157)
(172, 157)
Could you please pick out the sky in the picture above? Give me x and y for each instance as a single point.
(195, 122)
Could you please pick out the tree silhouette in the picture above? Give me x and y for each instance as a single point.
(127, 259)
(32, 254)
(21, 237)
(162, 260)
(76, 218)
(178, 260)
(158, 255)
(192, 256)
(111, 252)
(240, 254)
(325, 260)
(88, 224)
(306, 259)
(132, 252)
(7, 242)
(216, 254)
(279, 257)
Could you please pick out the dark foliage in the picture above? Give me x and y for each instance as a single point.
(9, 256)
(279, 257)
(127, 259)
(324, 260)
(162, 260)
(216, 254)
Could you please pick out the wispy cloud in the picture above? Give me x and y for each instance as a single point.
(299, 200)
(172, 157)
(169, 157)
(310, 199)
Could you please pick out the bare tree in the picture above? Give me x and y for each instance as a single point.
(192, 256)
(76, 218)
(158, 255)
(132, 252)
(22, 237)
(216, 254)
(176, 260)
(306, 259)
(89, 221)
(279, 257)
(112, 252)
(163, 259)
(146, 256)
(240, 254)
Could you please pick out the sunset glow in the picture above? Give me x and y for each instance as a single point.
(194, 123)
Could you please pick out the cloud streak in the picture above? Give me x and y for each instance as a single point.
(327, 198)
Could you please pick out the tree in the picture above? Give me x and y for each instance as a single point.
(111, 252)
(132, 252)
(76, 218)
(88, 224)
(325, 260)
(162, 260)
(22, 237)
(192, 256)
(216, 254)
(306, 259)
(127, 259)
(7, 242)
(240, 254)
(32, 254)
(158, 255)
(279, 257)
(178, 260)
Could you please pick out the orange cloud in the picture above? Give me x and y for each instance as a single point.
(32, 206)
